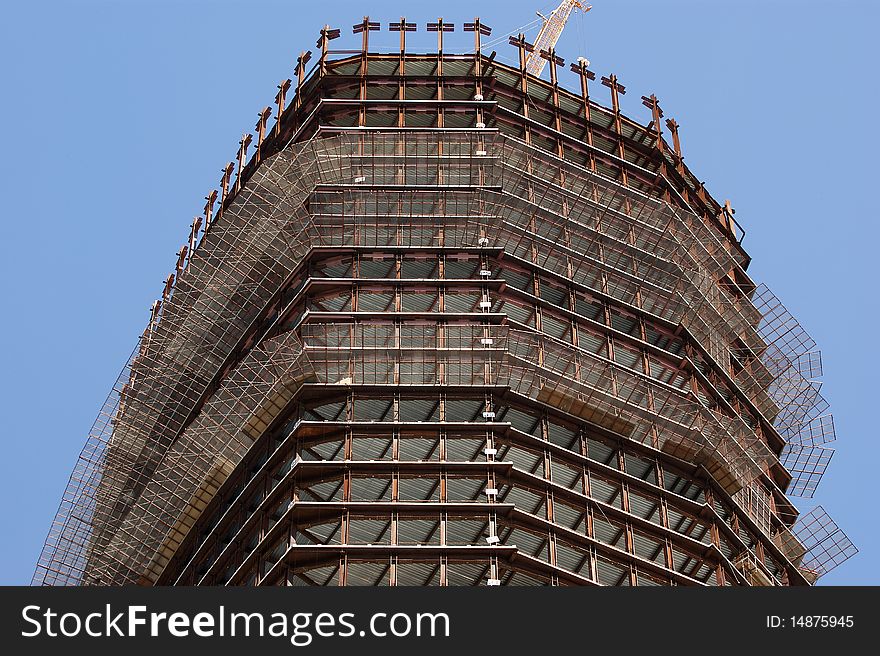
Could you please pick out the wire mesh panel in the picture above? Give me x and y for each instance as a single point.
(63, 558)
(807, 464)
(634, 406)
(190, 472)
(825, 544)
(660, 260)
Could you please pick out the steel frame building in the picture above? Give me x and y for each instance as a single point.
(454, 324)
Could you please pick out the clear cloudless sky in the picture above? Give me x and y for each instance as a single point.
(118, 116)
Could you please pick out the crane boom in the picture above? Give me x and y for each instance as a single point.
(550, 32)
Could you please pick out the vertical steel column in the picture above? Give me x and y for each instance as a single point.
(262, 119)
(242, 159)
(653, 104)
(523, 47)
(194, 228)
(617, 90)
(224, 187)
(326, 36)
(479, 31)
(210, 199)
(280, 99)
(364, 28)
(403, 27)
(585, 75)
(550, 56)
(300, 73)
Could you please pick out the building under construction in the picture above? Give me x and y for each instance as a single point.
(446, 322)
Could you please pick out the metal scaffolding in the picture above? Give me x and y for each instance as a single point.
(232, 344)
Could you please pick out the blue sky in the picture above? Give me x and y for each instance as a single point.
(118, 117)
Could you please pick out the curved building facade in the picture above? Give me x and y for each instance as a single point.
(456, 325)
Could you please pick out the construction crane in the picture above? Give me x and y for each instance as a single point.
(551, 30)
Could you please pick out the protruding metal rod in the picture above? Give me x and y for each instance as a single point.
(585, 75)
(550, 56)
(673, 126)
(364, 28)
(194, 228)
(242, 158)
(301, 62)
(181, 260)
(523, 47)
(403, 27)
(280, 101)
(210, 199)
(224, 185)
(440, 27)
(327, 35)
(727, 221)
(262, 120)
(653, 104)
(154, 314)
(617, 90)
(479, 31)
(169, 285)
